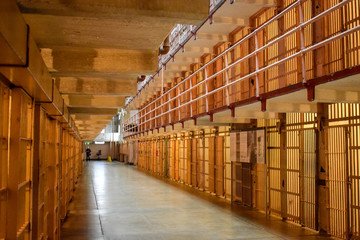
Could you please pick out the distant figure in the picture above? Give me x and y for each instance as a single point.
(88, 153)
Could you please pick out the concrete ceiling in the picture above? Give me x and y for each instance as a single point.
(95, 49)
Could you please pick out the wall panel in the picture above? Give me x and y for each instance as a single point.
(20, 166)
(4, 151)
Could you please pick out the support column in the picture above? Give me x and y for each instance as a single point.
(35, 171)
(322, 212)
(283, 165)
(21, 146)
(281, 46)
(318, 36)
(189, 158)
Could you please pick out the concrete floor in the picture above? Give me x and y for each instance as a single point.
(115, 201)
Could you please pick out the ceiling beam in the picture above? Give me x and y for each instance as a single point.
(90, 101)
(94, 127)
(93, 111)
(211, 36)
(84, 117)
(69, 60)
(87, 128)
(98, 86)
(91, 122)
(174, 11)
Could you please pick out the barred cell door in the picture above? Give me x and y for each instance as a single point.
(246, 184)
(188, 160)
(146, 155)
(308, 215)
(273, 162)
(177, 159)
(212, 164)
(160, 156)
(19, 205)
(140, 156)
(182, 159)
(292, 168)
(354, 178)
(344, 180)
(153, 156)
(4, 150)
(166, 157)
(219, 173)
(172, 159)
(300, 175)
(237, 182)
(291, 182)
(201, 163)
(194, 163)
(338, 179)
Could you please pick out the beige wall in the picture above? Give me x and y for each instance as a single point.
(105, 150)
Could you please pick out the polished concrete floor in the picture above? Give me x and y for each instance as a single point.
(116, 201)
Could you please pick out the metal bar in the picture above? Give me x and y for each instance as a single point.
(162, 92)
(227, 81)
(257, 66)
(302, 42)
(191, 109)
(206, 93)
(348, 170)
(169, 107)
(179, 106)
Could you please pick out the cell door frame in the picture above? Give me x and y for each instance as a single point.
(352, 178)
(353, 148)
(346, 181)
(166, 162)
(218, 167)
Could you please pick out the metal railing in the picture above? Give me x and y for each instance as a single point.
(214, 3)
(161, 107)
(178, 37)
(180, 34)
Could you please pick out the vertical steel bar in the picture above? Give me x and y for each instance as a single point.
(162, 97)
(227, 80)
(179, 108)
(169, 106)
(302, 40)
(206, 93)
(347, 181)
(257, 66)
(191, 108)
